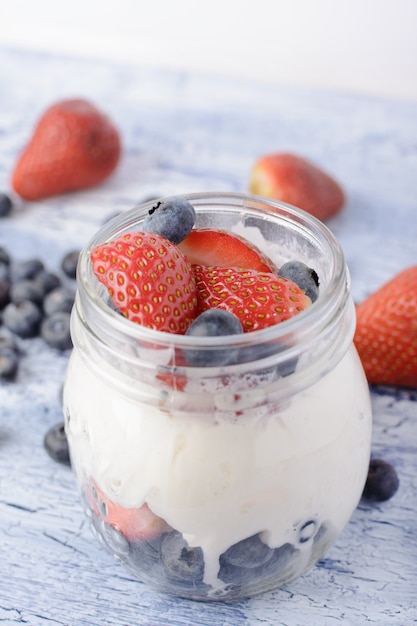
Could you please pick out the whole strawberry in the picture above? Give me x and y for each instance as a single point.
(74, 146)
(149, 280)
(386, 332)
(292, 179)
(258, 299)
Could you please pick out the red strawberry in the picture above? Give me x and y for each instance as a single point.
(136, 524)
(386, 331)
(74, 146)
(149, 280)
(294, 180)
(258, 299)
(211, 247)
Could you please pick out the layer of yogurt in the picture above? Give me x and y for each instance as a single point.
(218, 481)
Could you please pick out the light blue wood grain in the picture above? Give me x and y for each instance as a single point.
(185, 133)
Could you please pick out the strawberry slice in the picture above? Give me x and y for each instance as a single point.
(136, 524)
(211, 247)
(386, 331)
(258, 299)
(149, 280)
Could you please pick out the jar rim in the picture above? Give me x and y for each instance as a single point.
(246, 205)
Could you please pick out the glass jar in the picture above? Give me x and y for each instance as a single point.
(221, 483)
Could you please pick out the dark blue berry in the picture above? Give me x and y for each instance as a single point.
(23, 318)
(59, 299)
(181, 562)
(382, 481)
(47, 281)
(8, 342)
(26, 289)
(213, 323)
(56, 444)
(173, 218)
(250, 552)
(4, 292)
(4, 271)
(55, 330)
(277, 566)
(69, 263)
(4, 256)
(305, 277)
(26, 269)
(9, 362)
(5, 204)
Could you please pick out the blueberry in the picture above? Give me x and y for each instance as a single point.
(4, 256)
(69, 263)
(213, 323)
(26, 269)
(9, 362)
(5, 204)
(250, 552)
(56, 444)
(277, 566)
(4, 292)
(145, 556)
(258, 352)
(173, 218)
(4, 271)
(47, 281)
(26, 289)
(382, 481)
(59, 299)
(8, 342)
(305, 277)
(181, 562)
(23, 318)
(55, 330)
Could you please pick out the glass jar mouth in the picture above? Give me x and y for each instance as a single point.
(252, 212)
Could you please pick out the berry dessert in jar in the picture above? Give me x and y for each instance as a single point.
(217, 413)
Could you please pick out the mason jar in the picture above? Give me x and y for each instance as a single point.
(219, 483)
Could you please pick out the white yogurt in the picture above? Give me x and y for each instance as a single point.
(219, 481)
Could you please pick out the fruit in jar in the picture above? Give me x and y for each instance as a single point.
(213, 323)
(181, 562)
(295, 180)
(74, 146)
(173, 218)
(135, 524)
(258, 299)
(212, 247)
(386, 331)
(148, 279)
(303, 276)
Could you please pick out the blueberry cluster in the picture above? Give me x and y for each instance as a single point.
(33, 302)
(247, 567)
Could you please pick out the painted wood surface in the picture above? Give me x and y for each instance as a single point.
(184, 133)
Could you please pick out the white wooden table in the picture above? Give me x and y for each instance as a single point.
(185, 133)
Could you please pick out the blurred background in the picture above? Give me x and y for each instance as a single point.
(360, 46)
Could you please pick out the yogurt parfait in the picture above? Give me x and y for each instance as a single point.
(217, 413)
